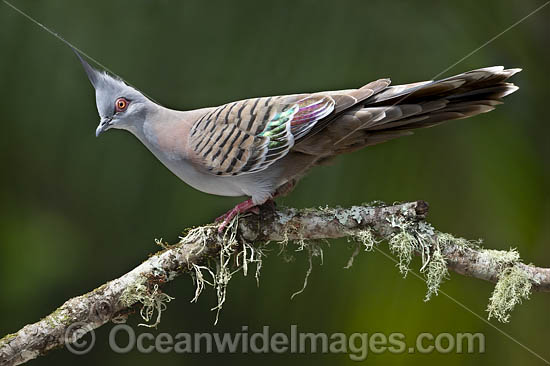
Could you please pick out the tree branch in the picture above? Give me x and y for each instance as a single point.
(402, 225)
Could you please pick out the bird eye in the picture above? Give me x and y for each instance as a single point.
(121, 104)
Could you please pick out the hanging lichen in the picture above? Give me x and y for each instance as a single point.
(513, 286)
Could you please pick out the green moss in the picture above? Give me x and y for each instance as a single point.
(7, 338)
(59, 316)
(512, 288)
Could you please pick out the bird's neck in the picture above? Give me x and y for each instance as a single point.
(165, 131)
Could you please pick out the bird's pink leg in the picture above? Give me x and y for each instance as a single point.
(242, 207)
(249, 206)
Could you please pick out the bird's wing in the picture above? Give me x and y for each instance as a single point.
(249, 135)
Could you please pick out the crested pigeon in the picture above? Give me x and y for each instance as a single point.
(260, 147)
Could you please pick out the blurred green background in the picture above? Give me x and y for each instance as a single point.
(77, 211)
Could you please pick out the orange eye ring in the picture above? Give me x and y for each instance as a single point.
(121, 104)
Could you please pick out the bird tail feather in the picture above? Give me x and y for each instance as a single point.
(395, 111)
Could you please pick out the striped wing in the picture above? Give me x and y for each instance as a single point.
(249, 135)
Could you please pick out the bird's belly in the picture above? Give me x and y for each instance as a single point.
(208, 183)
(260, 186)
(183, 169)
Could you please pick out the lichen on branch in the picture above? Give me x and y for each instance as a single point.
(213, 259)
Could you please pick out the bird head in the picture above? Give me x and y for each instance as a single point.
(118, 104)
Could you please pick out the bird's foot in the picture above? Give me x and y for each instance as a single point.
(246, 206)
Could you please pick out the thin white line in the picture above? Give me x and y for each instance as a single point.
(70, 45)
(378, 249)
(469, 310)
(491, 40)
(453, 65)
(58, 36)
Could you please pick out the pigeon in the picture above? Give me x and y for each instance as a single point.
(261, 147)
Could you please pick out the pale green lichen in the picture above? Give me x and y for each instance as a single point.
(244, 255)
(223, 272)
(286, 216)
(363, 238)
(366, 238)
(403, 245)
(7, 338)
(344, 215)
(355, 213)
(313, 249)
(436, 271)
(355, 253)
(462, 244)
(197, 275)
(513, 285)
(162, 243)
(57, 317)
(423, 239)
(410, 239)
(375, 203)
(152, 300)
(197, 235)
(512, 288)
(325, 209)
(502, 258)
(250, 255)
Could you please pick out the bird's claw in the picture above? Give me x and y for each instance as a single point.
(224, 224)
(226, 218)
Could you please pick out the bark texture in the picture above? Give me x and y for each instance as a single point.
(112, 300)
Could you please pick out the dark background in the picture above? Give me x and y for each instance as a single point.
(77, 211)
